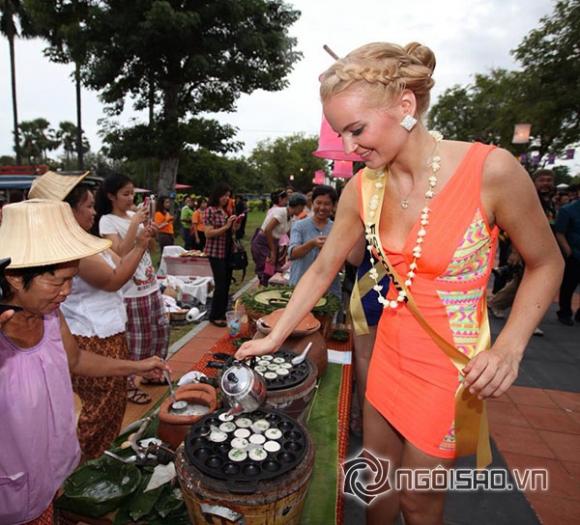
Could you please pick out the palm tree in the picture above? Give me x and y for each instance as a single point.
(67, 135)
(63, 25)
(10, 11)
(38, 139)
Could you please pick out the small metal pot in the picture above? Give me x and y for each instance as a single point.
(243, 389)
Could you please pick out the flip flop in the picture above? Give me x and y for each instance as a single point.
(218, 322)
(153, 382)
(138, 396)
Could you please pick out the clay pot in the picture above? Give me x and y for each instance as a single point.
(173, 427)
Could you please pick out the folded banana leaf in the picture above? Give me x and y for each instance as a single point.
(142, 503)
(99, 487)
(162, 506)
(169, 501)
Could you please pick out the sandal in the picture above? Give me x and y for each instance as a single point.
(153, 382)
(219, 323)
(138, 396)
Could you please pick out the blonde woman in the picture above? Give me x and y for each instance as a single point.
(431, 209)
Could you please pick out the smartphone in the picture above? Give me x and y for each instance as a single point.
(149, 205)
(151, 209)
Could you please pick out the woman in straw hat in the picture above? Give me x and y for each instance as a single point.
(430, 210)
(148, 325)
(38, 353)
(96, 315)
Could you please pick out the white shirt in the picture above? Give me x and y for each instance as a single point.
(280, 213)
(91, 312)
(144, 281)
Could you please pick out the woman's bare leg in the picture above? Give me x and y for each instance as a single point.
(422, 507)
(363, 349)
(384, 442)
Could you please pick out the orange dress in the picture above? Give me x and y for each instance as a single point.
(411, 382)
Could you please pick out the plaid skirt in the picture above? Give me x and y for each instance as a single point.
(147, 326)
(104, 398)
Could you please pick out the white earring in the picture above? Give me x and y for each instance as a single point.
(408, 122)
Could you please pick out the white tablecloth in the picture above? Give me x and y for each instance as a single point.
(196, 287)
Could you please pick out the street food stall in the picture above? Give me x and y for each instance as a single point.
(260, 437)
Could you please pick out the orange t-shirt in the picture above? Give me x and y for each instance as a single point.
(197, 220)
(160, 218)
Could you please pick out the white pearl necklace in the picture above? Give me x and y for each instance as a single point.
(424, 222)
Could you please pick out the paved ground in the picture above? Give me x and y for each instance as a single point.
(537, 424)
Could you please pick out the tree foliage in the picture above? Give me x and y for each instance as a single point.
(187, 57)
(484, 111)
(64, 26)
(550, 56)
(38, 138)
(276, 161)
(544, 92)
(67, 134)
(14, 22)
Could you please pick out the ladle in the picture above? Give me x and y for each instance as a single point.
(300, 358)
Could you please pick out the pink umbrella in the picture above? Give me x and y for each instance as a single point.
(319, 177)
(342, 169)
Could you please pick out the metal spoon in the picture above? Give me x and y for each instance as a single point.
(300, 358)
(167, 378)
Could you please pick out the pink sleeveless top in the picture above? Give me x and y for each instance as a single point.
(38, 441)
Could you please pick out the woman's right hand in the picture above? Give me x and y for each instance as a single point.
(256, 347)
(230, 221)
(141, 215)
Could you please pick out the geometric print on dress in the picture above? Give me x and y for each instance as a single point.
(471, 258)
(462, 309)
(448, 441)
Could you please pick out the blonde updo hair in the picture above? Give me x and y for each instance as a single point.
(385, 70)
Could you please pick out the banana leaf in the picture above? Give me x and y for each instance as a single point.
(99, 487)
(162, 506)
(170, 500)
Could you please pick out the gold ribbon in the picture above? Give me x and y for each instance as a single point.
(362, 286)
(471, 425)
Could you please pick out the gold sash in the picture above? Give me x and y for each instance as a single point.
(471, 425)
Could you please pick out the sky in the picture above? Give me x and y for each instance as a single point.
(468, 37)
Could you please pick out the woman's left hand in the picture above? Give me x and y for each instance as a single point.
(490, 373)
(152, 368)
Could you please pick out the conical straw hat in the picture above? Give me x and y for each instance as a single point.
(41, 232)
(54, 186)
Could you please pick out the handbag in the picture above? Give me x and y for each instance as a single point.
(238, 258)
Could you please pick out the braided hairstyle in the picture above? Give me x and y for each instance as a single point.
(384, 70)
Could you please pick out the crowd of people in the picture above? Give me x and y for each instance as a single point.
(83, 311)
(561, 206)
